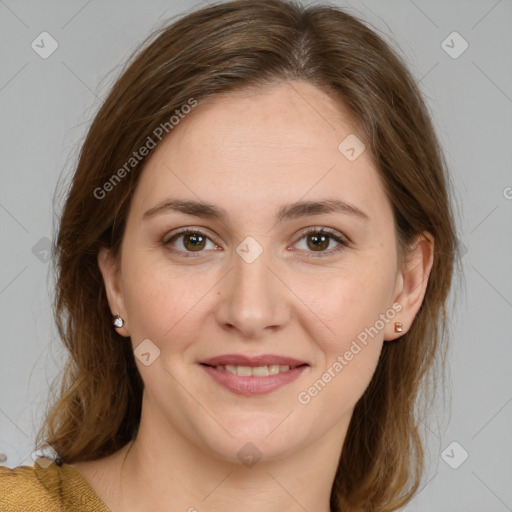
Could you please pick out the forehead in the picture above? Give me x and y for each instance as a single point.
(255, 147)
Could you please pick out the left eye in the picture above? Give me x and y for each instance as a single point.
(319, 240)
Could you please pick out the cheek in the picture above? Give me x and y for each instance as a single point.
(348, 301)
(349, 350)
(356, 307)
(160, 300)
(353, 350)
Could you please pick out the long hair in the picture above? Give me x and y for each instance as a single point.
(211, 51)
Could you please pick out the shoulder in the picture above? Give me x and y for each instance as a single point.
(54, 487)
(29, 488)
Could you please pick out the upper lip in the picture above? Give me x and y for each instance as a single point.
(242, 360)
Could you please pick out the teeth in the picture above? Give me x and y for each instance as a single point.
(229, 368)
(244, 371)
(258, 371)
(273, 369)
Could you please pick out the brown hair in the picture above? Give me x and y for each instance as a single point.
(212, 51)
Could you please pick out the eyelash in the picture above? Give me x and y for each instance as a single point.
(343, 242)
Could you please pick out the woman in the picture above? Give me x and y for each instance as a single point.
(253, 264)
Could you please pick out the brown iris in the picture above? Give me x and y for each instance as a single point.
(319, 241)
(197, 241)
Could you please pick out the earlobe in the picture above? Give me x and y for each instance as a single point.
(412, 283)
(109, 270)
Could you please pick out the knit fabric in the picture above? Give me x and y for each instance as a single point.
(47, 489)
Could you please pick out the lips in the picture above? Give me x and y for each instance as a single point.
(261, 360)
(256, 375)
(252, 385)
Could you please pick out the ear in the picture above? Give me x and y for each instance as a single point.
(110, 271)
(411, 284)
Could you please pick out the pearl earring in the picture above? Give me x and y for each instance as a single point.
(398, 327)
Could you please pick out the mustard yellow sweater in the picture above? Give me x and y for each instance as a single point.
(51, 489)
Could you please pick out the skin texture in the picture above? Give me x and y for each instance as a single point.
(251, 153)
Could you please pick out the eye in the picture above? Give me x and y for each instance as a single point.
(318, 240)
(194, 240)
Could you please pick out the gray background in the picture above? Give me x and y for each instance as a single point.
(47, 105)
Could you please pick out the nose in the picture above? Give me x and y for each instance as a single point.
(254, 299)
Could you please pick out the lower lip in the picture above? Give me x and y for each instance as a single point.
(253, 385)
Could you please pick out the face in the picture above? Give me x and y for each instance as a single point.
(255, 283)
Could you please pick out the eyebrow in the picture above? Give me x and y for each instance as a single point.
(288, 212)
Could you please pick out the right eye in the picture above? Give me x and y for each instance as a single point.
(193, 240)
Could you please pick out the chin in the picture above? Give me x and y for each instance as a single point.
(249, 451)
(267, 442)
